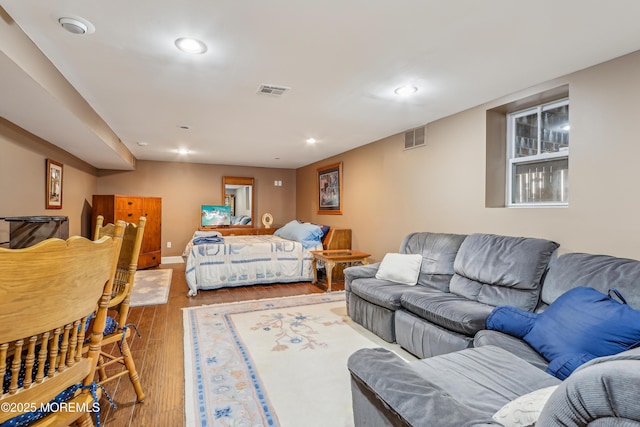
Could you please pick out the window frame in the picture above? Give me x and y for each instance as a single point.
(512, 160)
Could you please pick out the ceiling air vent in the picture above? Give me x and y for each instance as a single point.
(272, 90)
(415, 138)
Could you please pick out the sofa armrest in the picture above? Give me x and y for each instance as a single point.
(359, 272)
(386, 390)
(602, 391)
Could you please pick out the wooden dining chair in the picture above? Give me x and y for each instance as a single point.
(119, 306)
(48, 293)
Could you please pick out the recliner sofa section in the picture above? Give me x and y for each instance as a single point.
(440, 317)
(489, 270)
(373, 302)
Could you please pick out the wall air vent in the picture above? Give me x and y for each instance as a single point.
(415, 138)
(272, 90)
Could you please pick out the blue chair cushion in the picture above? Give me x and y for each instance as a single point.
(28, 418)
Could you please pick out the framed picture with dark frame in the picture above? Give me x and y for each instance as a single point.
(54, 185)
(330, 189)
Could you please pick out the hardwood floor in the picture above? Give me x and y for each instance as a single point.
(159, 352)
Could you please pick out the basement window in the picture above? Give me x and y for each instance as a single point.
(538, 155)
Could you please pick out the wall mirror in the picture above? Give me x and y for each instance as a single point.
(237, 192)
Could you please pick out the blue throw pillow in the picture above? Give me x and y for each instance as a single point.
(580, 325)
(324, 228)
(561, 367)
(511, 320)
(307, 234)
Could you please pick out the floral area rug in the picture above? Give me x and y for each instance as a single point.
(151, 287)
(272, 362)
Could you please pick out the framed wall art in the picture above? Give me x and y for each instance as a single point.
(54, 185)
(330, 189)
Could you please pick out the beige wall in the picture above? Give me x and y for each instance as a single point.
(389, 192)
(22, 181)
(183, 187)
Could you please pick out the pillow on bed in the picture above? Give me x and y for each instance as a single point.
(307, 234)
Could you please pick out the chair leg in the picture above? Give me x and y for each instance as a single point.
(102, 374)
(133, 374)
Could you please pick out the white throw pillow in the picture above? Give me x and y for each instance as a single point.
(400, 268)
(525, 410)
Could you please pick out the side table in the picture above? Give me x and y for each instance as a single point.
(333, 257)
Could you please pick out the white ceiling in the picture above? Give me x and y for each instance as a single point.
(342, 60)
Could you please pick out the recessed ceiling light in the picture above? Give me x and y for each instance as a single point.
(142, 143)
(190, 45)
(183, 151)
(405, 90)
(311, 140)
(76, 25)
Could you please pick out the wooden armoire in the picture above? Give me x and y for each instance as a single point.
(115, 207)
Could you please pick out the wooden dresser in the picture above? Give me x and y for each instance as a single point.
(241, 231)
(115, 207)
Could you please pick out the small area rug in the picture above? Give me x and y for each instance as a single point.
(151, 287)
(272, 362)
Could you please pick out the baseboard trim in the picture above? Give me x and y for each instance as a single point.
(172, 260)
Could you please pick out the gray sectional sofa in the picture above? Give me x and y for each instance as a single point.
(466, 388)
(462, 278)
(472, 373)
(373, 302)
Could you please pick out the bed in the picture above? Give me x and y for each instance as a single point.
(214, 261)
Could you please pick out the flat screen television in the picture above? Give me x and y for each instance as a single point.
(215, 216)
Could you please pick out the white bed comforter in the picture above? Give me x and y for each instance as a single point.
(247, 260)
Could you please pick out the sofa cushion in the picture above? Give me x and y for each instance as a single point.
(501, 270)
(512, 344)
(438, 251)
(400, 268)
(580, 325)
(600, 272)
(484, 378)
(448, 310)
(380, 292)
